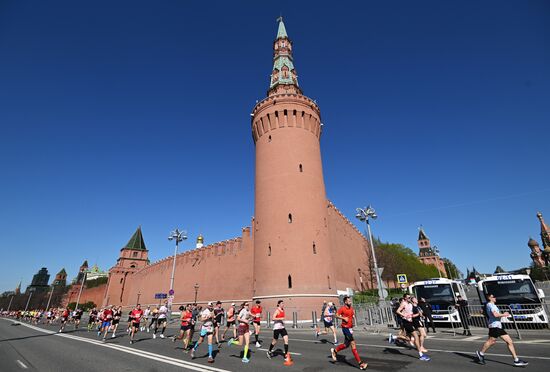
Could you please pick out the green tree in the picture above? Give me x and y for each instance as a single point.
(452, 271)
(398, 259)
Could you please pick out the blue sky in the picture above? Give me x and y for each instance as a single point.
(127, 113)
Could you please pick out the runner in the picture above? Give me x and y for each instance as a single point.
(185, 327)
(496, 331)
(242, 331)
(117, 315)
(136, 314)
(328, 321)
(64, 318)
(318, 328)
(279, 330)
(163, 310)
(405, 311)
(154, 319)
(146, 315)
(107, 319)
(256, 312)
(92, 318)
(345, 314)
(230, 321)
(77, 316)
(419, 323)
(219, 314)
(207, 329)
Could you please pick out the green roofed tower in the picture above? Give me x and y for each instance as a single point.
(283, 76)
(136, 241)
(133, 257)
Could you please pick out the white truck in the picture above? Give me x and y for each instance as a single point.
(442, 295)
(516, 294)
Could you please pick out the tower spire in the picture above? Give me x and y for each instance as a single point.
(283, 76)
(544, 232)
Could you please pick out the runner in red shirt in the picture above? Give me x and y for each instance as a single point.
(136, 315)
(256, 312)
(107, 319)
(64, 318)
(185, 326)
(345, 314)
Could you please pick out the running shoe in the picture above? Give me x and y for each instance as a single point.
(363, 366)
(192, 353)
(131, 342)
(230, 341)
(425, 358)
(333, 354)
(520, 363)
(480, 358)
(245, 360)
(316, 334)
(161, 335)
(258, 344)
(210, 360)
(391, 339)
(154, 335)
(269, 354)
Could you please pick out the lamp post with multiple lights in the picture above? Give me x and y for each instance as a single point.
(178, 236)
(364, 215)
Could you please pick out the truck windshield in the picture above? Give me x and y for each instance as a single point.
(511, 291)
(436, 294)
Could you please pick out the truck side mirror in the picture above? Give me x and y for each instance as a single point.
(541, 293)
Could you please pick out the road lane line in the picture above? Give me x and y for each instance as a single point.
(125, 349)
(473, 338)
(435, 350)
(21, 364)
(291, 353)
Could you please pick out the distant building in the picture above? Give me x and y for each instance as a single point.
(39, 281)
(95, 273)
(60, 279)
(541, 257)
(428, 255)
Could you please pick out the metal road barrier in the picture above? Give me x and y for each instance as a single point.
(523, 317)
(375, 316)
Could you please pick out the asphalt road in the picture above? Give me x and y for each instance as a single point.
(30, 348)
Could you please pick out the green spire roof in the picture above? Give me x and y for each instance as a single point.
(282, 30)
(85, 263)
(422, 234)
(136, 241)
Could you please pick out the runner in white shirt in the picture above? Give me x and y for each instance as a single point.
(146, 314)
(207, 329)
(243, 320)
(163, 310)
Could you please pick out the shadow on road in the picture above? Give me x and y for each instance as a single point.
(473, 359)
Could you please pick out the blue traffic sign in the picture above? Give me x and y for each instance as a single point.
(160, 296)
(402, 278)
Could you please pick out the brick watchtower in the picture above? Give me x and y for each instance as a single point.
(427, 254)
(292, 257)
(133, 256)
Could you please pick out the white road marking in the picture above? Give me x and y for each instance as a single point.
(291, 353)
(137, 352)
(473, 338)
(436, 350)
(21, 364)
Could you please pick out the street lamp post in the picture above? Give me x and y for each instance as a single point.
(178, 236)
(28, 300)
(138, 296)
(80, 291)
(364, 215)
(436, 252)
(50, 297)
(196, 291)
(9, 305)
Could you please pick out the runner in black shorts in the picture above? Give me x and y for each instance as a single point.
(279, 330)
(495, 331)
(219, 314)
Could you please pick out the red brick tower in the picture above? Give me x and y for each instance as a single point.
(292, 257)
(133, 256)
(427, 254)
